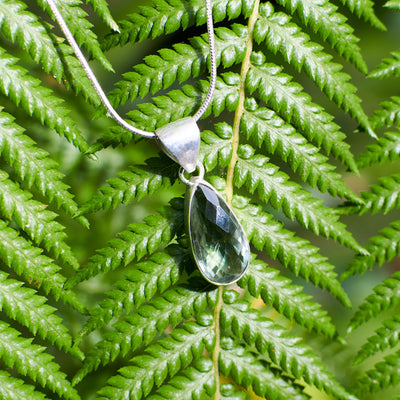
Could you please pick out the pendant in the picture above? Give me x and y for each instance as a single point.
(218, 242)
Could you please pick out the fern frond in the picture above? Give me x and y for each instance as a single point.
(171, 15)
(31, 216)
(256, 173)
(165, 358)
(216, 148)
(148, 321)
(181, 103)
(24, 29)
(386, 295)
(395, 4)
(33, 165)
(293, 252)
(141, 284)
(278, 291)
(30, 310)
(29, 262)
(266, 127)
(26, 92)
(365, 9)
(388, 115)
(229, 392)
(101, 8)
(381, 198)
(138, 240)
(30, 359)
(244, 367)
(387, 336)
(179, 64)
(331, 25)
(80, 27)
(390, 67)
(140, 181)
(284, 350)
(384, 374)
(295, 106)
(15, 389)
(197, 382)
(279, 34)
(384, 247)
(386, 148)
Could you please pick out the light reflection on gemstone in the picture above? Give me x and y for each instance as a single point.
(218, 241)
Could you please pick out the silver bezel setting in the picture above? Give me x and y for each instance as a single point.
(194, 182)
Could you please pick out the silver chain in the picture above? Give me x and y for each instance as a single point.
(90, 74)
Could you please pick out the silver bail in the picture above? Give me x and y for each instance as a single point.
(180, 140)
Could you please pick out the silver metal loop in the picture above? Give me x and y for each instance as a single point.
(180, 140)
(192, 180)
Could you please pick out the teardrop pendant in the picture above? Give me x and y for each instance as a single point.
(219, 244)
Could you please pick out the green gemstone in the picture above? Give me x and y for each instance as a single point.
(219, 243)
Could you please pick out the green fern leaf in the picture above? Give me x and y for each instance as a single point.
(280, 34)
(170, 15)
(386, 336)
(181, 103)
(388, 68)
(393, 4)
(180, 63)
(229, 392)
(383, 247)
(80, 27)
(331, 26)
(258, 174)
(140, 284)
(139, 240)
(216, 148)
(295, 106)
(283, 350)
(28, 261)
(142, 326)
(386, 148)
(381, 198)
(293, 252)
(386, 295)
(385, 374)
(365, 9)
(33, 165)
(32, 217)
(388, 115)
(266, 127)
(101, 8)
(15, 389)
(165, 358)
(278, 292)
(37, 100)
(135, 184)
(30, 359)
(247, 370)
(24, 28)
(29, 309)
(197, 382)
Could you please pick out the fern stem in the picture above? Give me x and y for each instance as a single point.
(242, 96)
(217, 347)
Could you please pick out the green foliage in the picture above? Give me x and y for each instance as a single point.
(95, 266)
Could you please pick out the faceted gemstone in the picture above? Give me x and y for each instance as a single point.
(219, 244)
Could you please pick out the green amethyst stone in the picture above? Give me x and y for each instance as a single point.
(219, 243)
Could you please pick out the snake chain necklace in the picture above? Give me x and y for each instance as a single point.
(218, 242)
